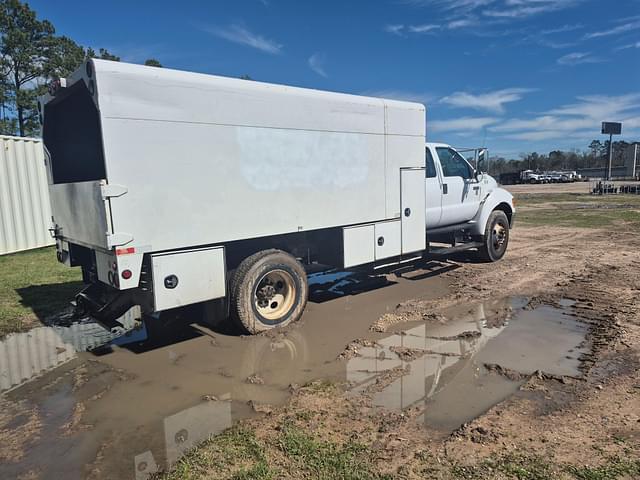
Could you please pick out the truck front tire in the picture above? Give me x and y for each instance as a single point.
(496, 237)
(268, 290)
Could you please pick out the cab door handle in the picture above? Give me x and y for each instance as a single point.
(445, 189)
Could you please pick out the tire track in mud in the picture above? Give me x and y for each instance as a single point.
(531, 267)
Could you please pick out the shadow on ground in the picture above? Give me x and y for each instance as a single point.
(184, 324)
(48, 299)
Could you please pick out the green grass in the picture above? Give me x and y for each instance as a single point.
(581, 218)
(33, 286)
(524, 199)
(516, 466)
(326, 460)
(235, 454)
(293, 451)
(579, 210)
(534, 467)
(614, 469)
(238, 455)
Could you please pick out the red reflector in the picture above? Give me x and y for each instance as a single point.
(126, 274)
(125, 251)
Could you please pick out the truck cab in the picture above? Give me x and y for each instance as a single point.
(460, 198)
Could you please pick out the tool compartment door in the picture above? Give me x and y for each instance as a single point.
(413, 209)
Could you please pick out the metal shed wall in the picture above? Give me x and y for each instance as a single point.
(25, 211)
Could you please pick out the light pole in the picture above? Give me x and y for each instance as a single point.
(612, 128)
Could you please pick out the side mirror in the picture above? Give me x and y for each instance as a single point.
(482, 162)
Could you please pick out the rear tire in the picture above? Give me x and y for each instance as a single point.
(269, 290)
(496, 237)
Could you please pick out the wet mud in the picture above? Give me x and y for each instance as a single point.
(135, 410)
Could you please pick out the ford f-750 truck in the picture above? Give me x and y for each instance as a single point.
(171, 188)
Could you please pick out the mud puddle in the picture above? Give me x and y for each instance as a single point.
(456, 368)
(28, 355)
(136, 410)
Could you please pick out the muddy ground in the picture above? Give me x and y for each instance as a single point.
(440, 372)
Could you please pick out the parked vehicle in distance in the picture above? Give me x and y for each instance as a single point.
(509, 178)
(529, 176)
(172, 188)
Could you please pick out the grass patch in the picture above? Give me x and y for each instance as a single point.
(581, 218)
(326, 460)
(614, 469)
(524, 199)
(579, 210)
(320, 386)
(520, 467)
(235, 454)
(33, 285)
(532, 467)
(291, 453)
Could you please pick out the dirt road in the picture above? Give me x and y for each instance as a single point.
(527, 368)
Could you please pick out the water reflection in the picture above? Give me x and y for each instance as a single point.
(446, 378)
(24, 356)
(183, 431)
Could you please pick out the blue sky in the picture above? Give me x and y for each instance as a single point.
(513, 75)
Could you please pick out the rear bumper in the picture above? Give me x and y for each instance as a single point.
(104, 304)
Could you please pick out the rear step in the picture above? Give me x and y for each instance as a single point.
(95, 335)
(443, 251)
(114, 313)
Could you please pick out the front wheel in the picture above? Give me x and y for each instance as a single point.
(269, 289)
(496, 237)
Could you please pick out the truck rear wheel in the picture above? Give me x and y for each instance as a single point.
(496, 237)
(269, 289)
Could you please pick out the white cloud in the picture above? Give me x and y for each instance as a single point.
(491, 101)
(577, 58)
(239, 34)
(502, 9)
(461, 23)
(462, 124)
(600, 106)
(395, 29)
(517, 9)
(316, 63)
(577, 120)
(423, 28)
(451, 4)
(562, 29)
(625, 27)
(629, 45)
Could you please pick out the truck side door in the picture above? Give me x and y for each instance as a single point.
(433, 192)
(460, 190)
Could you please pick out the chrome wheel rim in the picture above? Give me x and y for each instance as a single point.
(498, 236)
(275, 294)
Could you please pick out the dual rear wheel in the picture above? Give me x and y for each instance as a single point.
(268, 290)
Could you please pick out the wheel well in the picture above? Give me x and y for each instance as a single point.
(506, 208)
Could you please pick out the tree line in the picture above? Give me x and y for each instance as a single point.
(32, 55)
(595, 156)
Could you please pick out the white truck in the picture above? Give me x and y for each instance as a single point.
(172, 189)
(529, 176)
